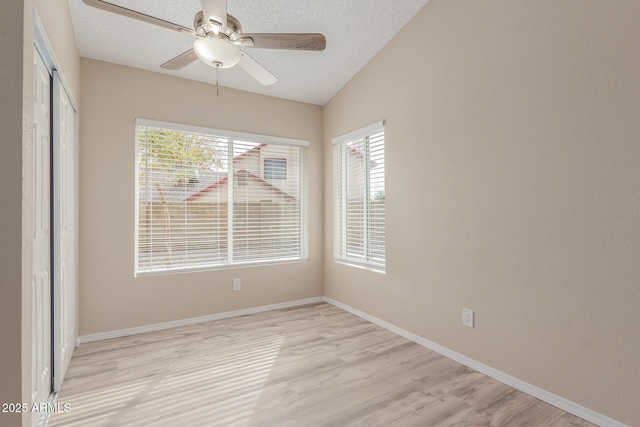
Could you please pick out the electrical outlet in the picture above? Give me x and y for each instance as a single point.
(236, 284)
(467, 317)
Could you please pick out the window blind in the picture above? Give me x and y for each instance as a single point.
(204, 199)
(359, 197)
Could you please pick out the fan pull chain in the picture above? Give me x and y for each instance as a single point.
(217, 87)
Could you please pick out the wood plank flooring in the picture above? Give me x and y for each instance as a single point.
(315, 365)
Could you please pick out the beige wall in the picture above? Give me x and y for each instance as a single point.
(111, 298)
(512, 189)
(16, 122)
(12, 283)
(513, 151)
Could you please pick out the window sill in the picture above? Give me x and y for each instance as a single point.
(197, 269)
(363, 266)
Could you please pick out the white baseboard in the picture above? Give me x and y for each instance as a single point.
(193, 320)
(550, 398)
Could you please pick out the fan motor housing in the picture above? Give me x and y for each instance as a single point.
(204, 28)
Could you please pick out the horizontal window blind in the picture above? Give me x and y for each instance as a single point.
(359, 197)
(204, 199)
(266, 212)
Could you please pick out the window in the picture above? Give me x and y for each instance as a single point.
(275, 168)
(359, 197)
(189, 217)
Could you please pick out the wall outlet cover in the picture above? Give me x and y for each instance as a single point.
(467, 317)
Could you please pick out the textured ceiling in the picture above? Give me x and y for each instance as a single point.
(355, 31)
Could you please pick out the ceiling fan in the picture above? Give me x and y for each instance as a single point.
(219, 37)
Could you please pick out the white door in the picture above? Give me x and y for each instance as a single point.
(64, 220)
(41, 336)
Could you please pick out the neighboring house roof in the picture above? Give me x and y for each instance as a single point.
(372, 164)
(244, 173)
(176, 193)
(205, 183)
(249, 152)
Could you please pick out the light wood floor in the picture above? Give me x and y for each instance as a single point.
(307, 366)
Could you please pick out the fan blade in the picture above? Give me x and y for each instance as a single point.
(295, 41)
(215, 10)
(139, 16)
(180, 61)
(256, 70)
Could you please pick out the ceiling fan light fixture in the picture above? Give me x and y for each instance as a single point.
(217, 52)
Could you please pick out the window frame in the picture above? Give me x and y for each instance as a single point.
(341, 173)
(241, 137)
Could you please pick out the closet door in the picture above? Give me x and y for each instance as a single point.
(64, 191)
(41, 334)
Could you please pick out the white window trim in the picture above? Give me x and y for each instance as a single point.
(249, 137)
(359, 133)
(232, 135)
(363, 132)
